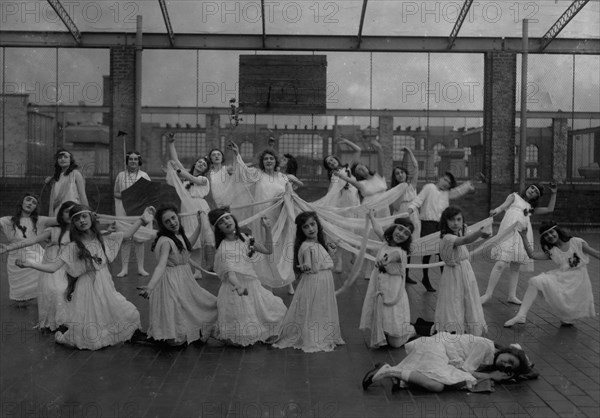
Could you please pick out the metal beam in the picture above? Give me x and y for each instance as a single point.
(459, 22)
(66, 19)
(192, 110)
(245, 42)
(264, 26)
(362, 21)
(562, 21)
(165, 14)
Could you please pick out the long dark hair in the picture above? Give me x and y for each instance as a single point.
(533, 203)
(359, 177)
(16, 218)
(525, 366)
(395, 181)
(328, 169)
(301, 219)
(292, 164)
(58, 170)
(447, 214)
(164, 232)
(562, 235)
(389, 234)
(64, 226)
(84, 254)
(261, 157)
(190, 184)
(215, 214)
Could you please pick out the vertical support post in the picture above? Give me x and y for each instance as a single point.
(523, 139)
(138, 84)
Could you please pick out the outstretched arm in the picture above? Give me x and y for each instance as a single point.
(44, 267)
(145, 219)
(347, 179)
(25, 242)
(538, 255)
(590, 251)
(184, 174)
(550, 208)
(509, 201)
(472, 237)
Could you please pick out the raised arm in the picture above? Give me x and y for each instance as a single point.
(267, 246)
(550, 208)
(172, 150)
(376, 227)
(509, 201)
(347, 179)
(379, 150)
(413, 178)
(461, 190)
(186, 175)
(25, 242)
(357, 150)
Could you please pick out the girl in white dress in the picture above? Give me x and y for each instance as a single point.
(67, 182)
(25, 224)
(247, 312)
(192, 187)
(311, 323)
(458, 307)
(385, 309)
(402, 175)
(52, 306)
(263, 184)
(180, 310)
(340, 194)
(567, 289)
(447, 360)
(98, 315)
(511, 253)
(220, 178)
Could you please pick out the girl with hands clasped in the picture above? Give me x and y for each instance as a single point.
(458, 307)
(180, 310)
(311, 323)
(386, 311)
(247, 312)
(518, 207)
(567, 289)
(98, 315)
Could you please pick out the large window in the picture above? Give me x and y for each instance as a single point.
(400, 141)
(190, 146)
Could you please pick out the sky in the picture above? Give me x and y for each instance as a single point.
(354, 79)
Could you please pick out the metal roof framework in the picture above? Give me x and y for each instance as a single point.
(453, 43)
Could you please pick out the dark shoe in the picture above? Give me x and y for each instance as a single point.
(410, 281)
(427, 284)
(566, 324)
(140, 337)
(368, 379)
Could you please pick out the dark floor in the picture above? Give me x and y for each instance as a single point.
(42, 379)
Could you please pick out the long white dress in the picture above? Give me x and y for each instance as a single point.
(274, 270)
(377, 316)
(64, 190)
(371, 190)
(180, 309)
(23, 283)
(512, 250)
(401, 206)
(340, 193)
(98, 315)
(125, 179)
(568, 289)
(444, 357)
(250, 318)
(220, 186)
(52, 305)
(458, 305)
(312, 323)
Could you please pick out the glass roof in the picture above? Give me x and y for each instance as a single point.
(302, 17)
